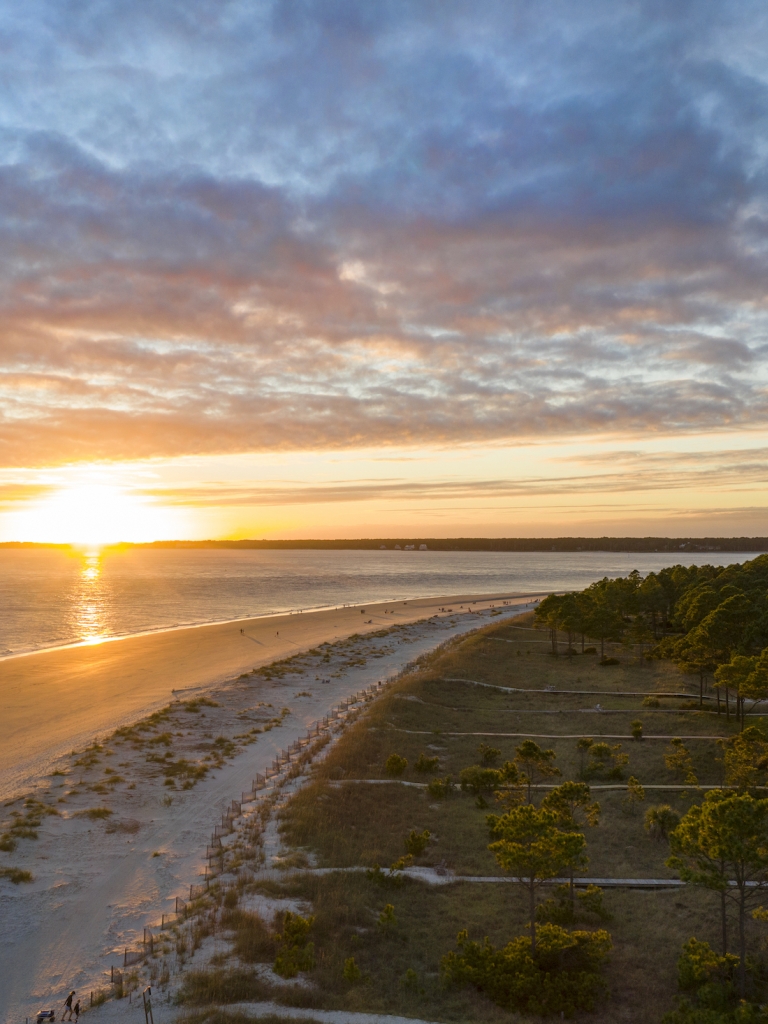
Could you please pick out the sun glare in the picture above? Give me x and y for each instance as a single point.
(94, 514)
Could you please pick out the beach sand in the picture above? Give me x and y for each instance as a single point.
(53, 701)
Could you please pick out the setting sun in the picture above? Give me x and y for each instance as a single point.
(94, 514)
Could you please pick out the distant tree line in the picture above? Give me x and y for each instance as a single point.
(560, 544)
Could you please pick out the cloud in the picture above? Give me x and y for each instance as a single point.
(617, 473)
(231, 227)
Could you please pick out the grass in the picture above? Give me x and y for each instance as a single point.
(344, 824)
(16, 875)
(94, 813)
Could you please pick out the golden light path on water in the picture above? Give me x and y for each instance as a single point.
(89, 608)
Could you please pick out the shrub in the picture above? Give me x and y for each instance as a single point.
(94, 813)
(609, 661)
(562, 977)
(488, 755)
(606, 761)
(651, 702)
(351, 972)
(295, 953)
(708, 980)
(387, 919)
(395, 765)
(480, 780)
(392, 877)
(417, 842)
(427, 765)
(410, 979)
(7, 843)
(560, 910)
(16, 875)
(439, 789)
(637, 729)
(660, 821)
(677, 758)
(635, 794)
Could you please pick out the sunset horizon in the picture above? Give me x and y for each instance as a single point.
(383, 511)
(323, 267)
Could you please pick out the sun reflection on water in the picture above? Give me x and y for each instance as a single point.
(89, 609)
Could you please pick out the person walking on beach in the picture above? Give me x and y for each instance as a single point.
(68, 1006)
(76, 1011)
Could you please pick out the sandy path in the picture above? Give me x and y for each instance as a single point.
(52, 701)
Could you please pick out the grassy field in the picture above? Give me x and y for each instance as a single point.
(339, 823)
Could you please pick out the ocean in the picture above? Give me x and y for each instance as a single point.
(49, 597)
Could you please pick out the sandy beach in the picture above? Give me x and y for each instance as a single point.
(53, 701)
(98, 882)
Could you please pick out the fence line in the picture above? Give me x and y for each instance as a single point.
(215, 849)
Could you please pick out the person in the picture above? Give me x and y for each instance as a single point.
(68, 1006)
(76, 1011)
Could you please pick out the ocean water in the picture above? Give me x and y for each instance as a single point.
(50, 597)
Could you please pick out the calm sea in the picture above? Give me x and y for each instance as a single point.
(49, 598)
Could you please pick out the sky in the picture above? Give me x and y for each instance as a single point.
(322, 268)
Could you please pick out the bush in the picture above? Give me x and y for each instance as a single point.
(351, 972)
(16, 875)
(439, 789)
(562, 977)
(387, 878)
(480, 780)
(637, 729)
(651, 702)
(708, 979)
(488, 755)
(606, 761)
(560, 910)
(660, 821)
(427, 765)
(295, 953)
(387, 919)
(610, 661)
(395, 765)
(94, 813)
(417, 842)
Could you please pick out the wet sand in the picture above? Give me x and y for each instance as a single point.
(52, 701)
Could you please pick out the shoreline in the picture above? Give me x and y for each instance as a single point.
(287, 612)
(60, 698)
